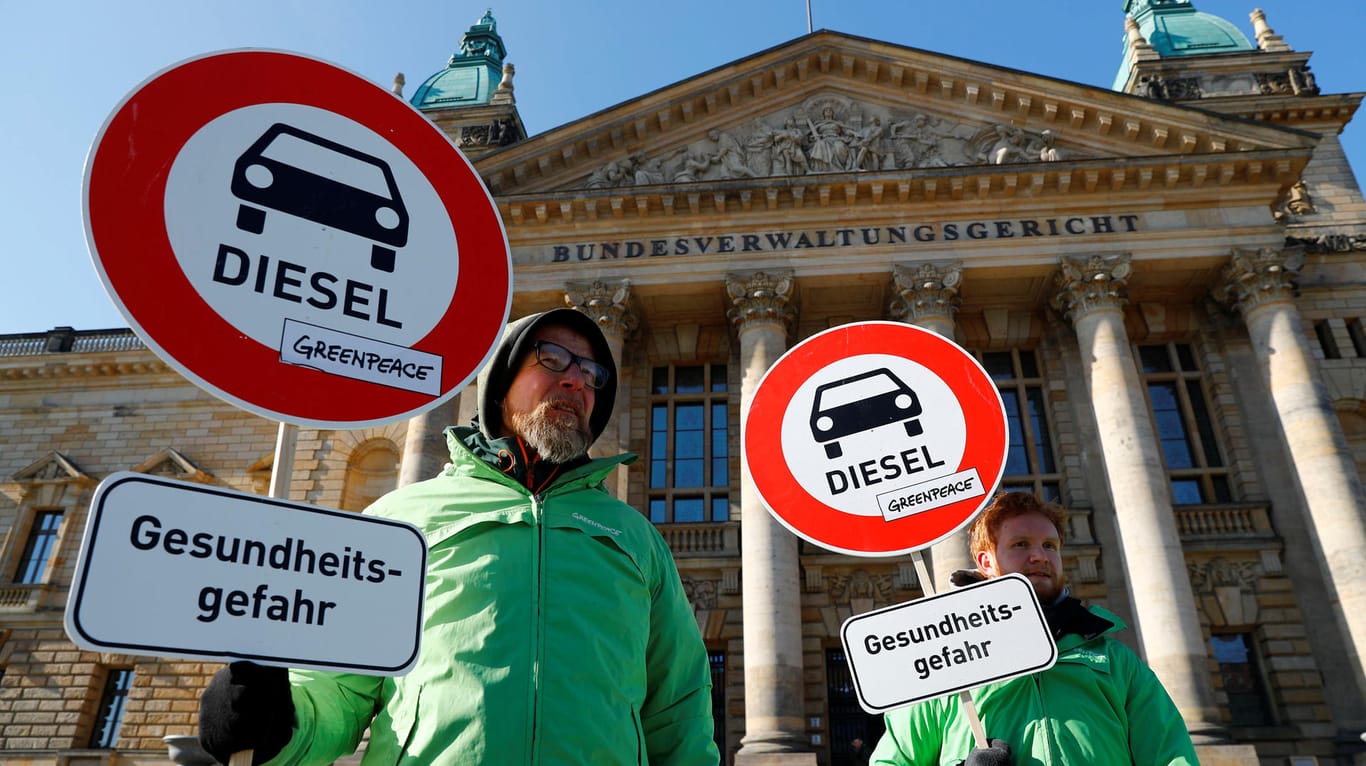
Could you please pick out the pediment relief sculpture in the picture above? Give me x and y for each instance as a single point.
(830, 134)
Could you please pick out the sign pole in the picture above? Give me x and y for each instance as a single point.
(281, 470)
(979, 732)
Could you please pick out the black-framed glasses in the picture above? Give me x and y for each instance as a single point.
(557, 358)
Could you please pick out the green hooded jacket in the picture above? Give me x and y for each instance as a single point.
(556, 631)
(1100, 704)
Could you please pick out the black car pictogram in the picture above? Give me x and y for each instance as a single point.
(296, 172)
(861, 403)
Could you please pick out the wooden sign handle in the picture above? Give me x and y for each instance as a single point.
(979, 732)
(240, 758)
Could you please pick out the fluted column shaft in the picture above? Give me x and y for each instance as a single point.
(927, 296)
(774, 691)
(607, 302)
(1164, 603)
(424, 445)
(1261, 282)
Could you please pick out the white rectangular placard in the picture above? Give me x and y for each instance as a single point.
(956, 640)
(174, 569)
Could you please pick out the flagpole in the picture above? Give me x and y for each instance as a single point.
(808, 17)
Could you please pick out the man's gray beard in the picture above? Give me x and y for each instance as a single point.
(551, 440)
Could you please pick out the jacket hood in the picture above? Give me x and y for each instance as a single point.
(496, 376)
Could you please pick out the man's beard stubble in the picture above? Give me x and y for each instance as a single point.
(556, 434)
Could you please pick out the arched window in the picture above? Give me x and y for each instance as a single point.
(371, 471)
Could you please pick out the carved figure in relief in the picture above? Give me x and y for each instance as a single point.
(788, 157)
(1009, 146)
(1298, 201)
(916, 144)
(620, 172)
(730, 158)
(868, 147)
(830, 140)
(695, 166)
(1049, 152)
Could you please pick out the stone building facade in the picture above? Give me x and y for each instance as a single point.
(1165, 280)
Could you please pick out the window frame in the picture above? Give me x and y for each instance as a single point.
(1049, 485)
(710, 492)
(26, 552)
(1207, 477)
(108, 721)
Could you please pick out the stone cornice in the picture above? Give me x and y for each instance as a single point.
(67, 369)
(1336, 109)
(1077, 179)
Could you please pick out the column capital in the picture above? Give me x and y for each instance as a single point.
(1255, 278)
(761, 297)
(607, 302)
(926, 290)
(1087, 283)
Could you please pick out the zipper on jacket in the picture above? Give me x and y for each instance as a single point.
(1045, 721)
(538, 597)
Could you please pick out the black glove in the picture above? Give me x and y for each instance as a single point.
(246, 707)
(997, 753)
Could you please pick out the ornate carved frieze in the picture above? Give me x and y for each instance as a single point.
(494, 133)
(1275, 84)
(830, 134)
(859, 584)
(926, 290)
(1086, 283)
(606, 302)
(1297, 202)
(761, 297)
(701, 593)
(1226, 589)
(1328, 243)
(1256, 277)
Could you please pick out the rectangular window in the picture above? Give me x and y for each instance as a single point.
(1324, 331)
(1030, 463)
(42, 538)
(1247, 699)
(1358, 336)
(1185, 428)
(689, 474)
(112, 703)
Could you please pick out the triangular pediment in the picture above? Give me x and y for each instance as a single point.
(54, 467)
(831, 105)
(172, 465)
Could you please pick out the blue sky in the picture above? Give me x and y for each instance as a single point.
(65, 65)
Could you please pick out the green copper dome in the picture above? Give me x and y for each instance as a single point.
(1176, 28)
(471, 75)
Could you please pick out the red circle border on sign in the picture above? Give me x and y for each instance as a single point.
(812, 519)
(125, 186)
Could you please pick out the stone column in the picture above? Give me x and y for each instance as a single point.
(424, 446)
(607, 303)
(775, 724)
(1262, 285)
(1090, 296)
(927, 296)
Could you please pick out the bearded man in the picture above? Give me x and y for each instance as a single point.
(555, 627)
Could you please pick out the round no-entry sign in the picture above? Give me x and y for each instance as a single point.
(296, 239)
(875, 439)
